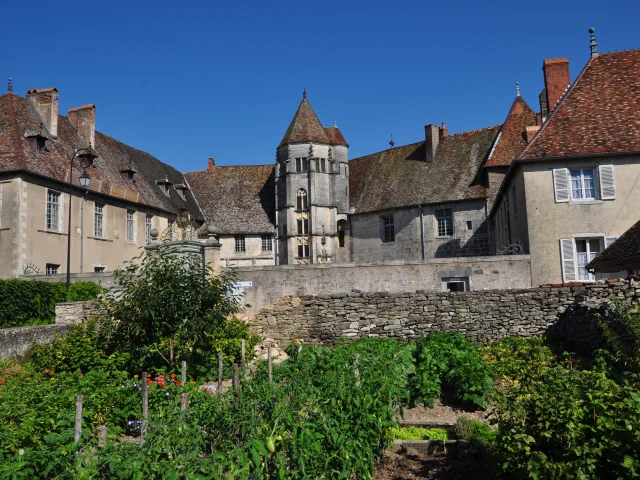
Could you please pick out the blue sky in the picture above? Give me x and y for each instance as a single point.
(189, 80)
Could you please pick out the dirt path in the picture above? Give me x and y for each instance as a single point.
(437, 466)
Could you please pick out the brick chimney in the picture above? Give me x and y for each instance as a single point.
(556, 79)
(530, 132)
(212, 164)
(45, 103)
(443, 131)
(432, 138)
(84, 120)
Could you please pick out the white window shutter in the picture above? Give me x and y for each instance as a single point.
(607, 182)
(561, 184)
(609, 240)
(567, 251)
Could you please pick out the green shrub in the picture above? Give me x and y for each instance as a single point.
(473, 430)
(32, 302)
(621, 329)
(419, 433)
(451, 359)
(517, 359)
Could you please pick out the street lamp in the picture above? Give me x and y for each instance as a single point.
(86, 160)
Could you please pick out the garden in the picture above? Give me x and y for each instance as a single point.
(322, 413)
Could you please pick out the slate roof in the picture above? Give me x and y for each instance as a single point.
(511, 140)
(17, 117)
(622, 252)
(400, 176)
(238, 199)
(305, 127)
(599, 113)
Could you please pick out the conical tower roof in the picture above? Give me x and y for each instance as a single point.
(305, 126)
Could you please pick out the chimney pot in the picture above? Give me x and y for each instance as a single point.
(84, 120)
(212, 164)
(530, 132)
(443, 131)
(556, 80)
(432, 138)
(45, 103)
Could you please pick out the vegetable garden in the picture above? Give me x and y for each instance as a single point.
(323, 413)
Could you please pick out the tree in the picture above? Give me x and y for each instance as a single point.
(164, 296)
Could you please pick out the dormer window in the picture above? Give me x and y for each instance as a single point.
(129, 173)
(164, 185)
(37, 140)
(182, 190)
(41, 143)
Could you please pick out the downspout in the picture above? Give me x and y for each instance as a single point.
(81, 233)
(422, 232)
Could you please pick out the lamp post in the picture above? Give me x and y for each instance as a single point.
(85, 162)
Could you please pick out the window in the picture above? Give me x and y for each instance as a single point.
(444, 218)
(303, 226)
(469, 225)
(303, 250)
(514, 202)
(586, 250)
(147, 228)
(98, 220)
(130, 226)
(41, 143)
(52, 269)
(301, 203)
(302, 164)
(321, 165)
(267, 243)
(170, 230)
(583, 184)
(240, 243)
(576, 253)
(99, 268)
(54, 211)
(342, 228)
(388, 230)
(455, 284)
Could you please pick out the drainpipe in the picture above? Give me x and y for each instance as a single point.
(422, 231)
(81, 233)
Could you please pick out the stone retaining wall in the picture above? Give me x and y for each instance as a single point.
(75, 312)
(564, 311)
(14, 342)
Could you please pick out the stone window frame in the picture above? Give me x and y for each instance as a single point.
(387, 229)
(442, 214)
(51, 269)
(302, 200)
(302, 224)
(99, 224)
(302, 164)
(240, 243)
(148, 226)
(267, 243)
(54, 211)
(130, 230)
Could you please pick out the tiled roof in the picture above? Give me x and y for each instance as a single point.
(624, 249)
(335, 136)
(305, 127)
(16, 153)
(511, 140)
(599, 113)
(90, 105)
(400, 176)
(236, 200)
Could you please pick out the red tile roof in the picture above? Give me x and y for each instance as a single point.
(91, 105)
(305, 127)
(621, 253)
(599, 114)
(511, 139)
(42, 90)
(335, 136)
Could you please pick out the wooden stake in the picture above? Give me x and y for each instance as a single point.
(145, 408)
(102, 436)
(356, 370)
(184, 373)
(219, 392)
(242, 357)
(236, 380)
(184, 401)
(78, 431)
(269, 365)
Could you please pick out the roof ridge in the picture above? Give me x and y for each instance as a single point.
(476, 130)
(387, 149)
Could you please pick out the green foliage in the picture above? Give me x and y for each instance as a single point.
(621, 329)
(451, 359)
(163, 297)
(475, 431)
(32, 302)
(569, 423)
(419, 433)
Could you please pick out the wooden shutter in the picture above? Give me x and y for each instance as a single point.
(607, 182)
(561, 184)
(609, 240)
(567, 251)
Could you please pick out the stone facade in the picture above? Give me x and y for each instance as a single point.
(480, 316)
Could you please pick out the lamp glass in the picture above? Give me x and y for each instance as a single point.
(85, 180)
(86, 160)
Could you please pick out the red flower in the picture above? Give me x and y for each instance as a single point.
(173, 375)
(178, 383)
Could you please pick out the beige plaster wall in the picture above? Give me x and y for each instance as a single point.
(548, 221)
(252, 256)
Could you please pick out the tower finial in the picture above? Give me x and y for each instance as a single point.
(592, 44)
(391, 142)
(335, 123)
(10, 86)
(517, 89)
(304, 93)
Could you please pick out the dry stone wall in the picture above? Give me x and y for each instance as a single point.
(563, 311)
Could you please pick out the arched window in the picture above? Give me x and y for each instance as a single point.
(302, 200)
(342, 227)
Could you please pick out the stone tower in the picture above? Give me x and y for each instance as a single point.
(312, 191)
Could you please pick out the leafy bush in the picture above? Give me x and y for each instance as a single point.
(452, 359)
(419, 433)
(517, 359)
(475, 431)
(32, 302)
(569, 423)
(621, 329)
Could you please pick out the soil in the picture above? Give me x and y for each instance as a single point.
(437, 466)
(443, 412)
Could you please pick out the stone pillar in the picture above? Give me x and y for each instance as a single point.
(212, 250)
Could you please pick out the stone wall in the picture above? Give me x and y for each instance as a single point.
(75, 312)
(14, 342)
(565, 311)
(269, 284)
